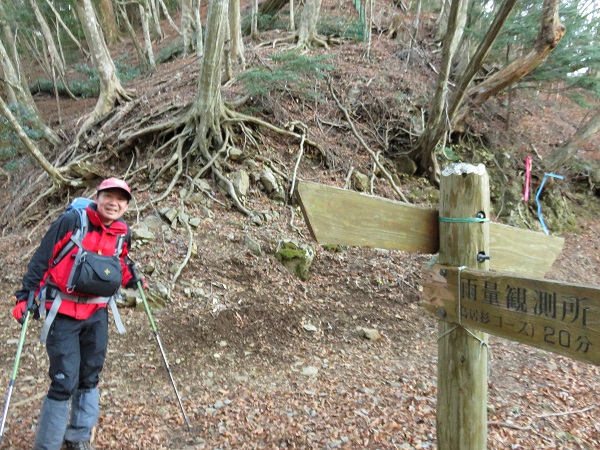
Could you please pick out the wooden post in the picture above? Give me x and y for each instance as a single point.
(462, 353)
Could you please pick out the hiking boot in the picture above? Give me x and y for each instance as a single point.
(78, 445)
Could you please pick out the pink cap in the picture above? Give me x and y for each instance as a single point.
(115, 183)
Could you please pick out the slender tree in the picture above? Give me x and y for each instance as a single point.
(236, 45)
(22, 97)
(563, 154)
(189, 26)
(549, 35)
(148, 50)
(438, 117)
(56, 61)
(108, 21)
(446, 115)
(112, 92)
(307, 28)
(32, 149)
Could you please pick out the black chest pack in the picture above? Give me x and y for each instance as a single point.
(92, 274)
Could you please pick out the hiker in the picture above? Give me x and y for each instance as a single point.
(76, 326)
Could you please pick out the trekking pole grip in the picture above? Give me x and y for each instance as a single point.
(31, 305)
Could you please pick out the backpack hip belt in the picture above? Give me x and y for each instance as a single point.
(60, 296)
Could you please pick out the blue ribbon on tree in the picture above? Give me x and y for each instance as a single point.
(537, 199)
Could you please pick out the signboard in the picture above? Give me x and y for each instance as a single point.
(344, 217)
(555, 316)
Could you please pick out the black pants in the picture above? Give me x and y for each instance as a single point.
(77, 350)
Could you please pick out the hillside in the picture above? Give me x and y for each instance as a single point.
(263, 359)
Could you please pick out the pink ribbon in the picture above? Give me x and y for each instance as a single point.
(527, 177)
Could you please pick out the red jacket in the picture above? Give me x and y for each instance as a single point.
(99, 238)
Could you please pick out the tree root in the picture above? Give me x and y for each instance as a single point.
(365, 146)
(188, 253)
(296, 44)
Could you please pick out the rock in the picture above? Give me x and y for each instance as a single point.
(241, 183)
(257, 220)
(406, 165)
(203, 185)
(235, 154)
(251, 165)
(141, 232)
(128, 298)
(360, 181)
(370, 334)
(170, 214)
(310, 327)
(149, 268)
(183, 217)
(252, 245)
(310, 371)
(296, 258)
(153, 222)
(205, 211)
(268, 180)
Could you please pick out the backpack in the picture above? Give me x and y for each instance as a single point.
(91, 273)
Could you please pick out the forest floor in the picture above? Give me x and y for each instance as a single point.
(264, 360)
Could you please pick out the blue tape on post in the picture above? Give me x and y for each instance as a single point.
(537, 199)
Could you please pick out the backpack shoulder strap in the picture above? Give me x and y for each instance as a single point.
(120, 241)
(76, 237)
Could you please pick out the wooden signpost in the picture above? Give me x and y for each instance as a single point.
(340, 216)
(461, 290)
(558, 317)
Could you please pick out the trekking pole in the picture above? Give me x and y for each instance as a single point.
(11, 384)
(155, 331)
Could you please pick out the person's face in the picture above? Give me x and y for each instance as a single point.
(112, 204)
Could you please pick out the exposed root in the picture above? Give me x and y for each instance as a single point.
(365, 146)
(188, 254)
(296, 44)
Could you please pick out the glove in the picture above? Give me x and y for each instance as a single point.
(20, 308)
(19, 311)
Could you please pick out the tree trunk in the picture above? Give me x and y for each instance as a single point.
(56, 61)
(143, 60)
(468, 43)
(235, 29)
(154, 12)
(437, 121)
(18, 95)
(459, 26)
(112, 92)
(66, 28)
(478, 59)
(254, 21)
(207, 109)
(267, 8)
(198, 29)
(149, 52)
(165, 11)
(108, 21)
(441, 23)
(565, 152)
(32, 149)
(307, 28)
(550, 34)
(11, 43)
(187, 27)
